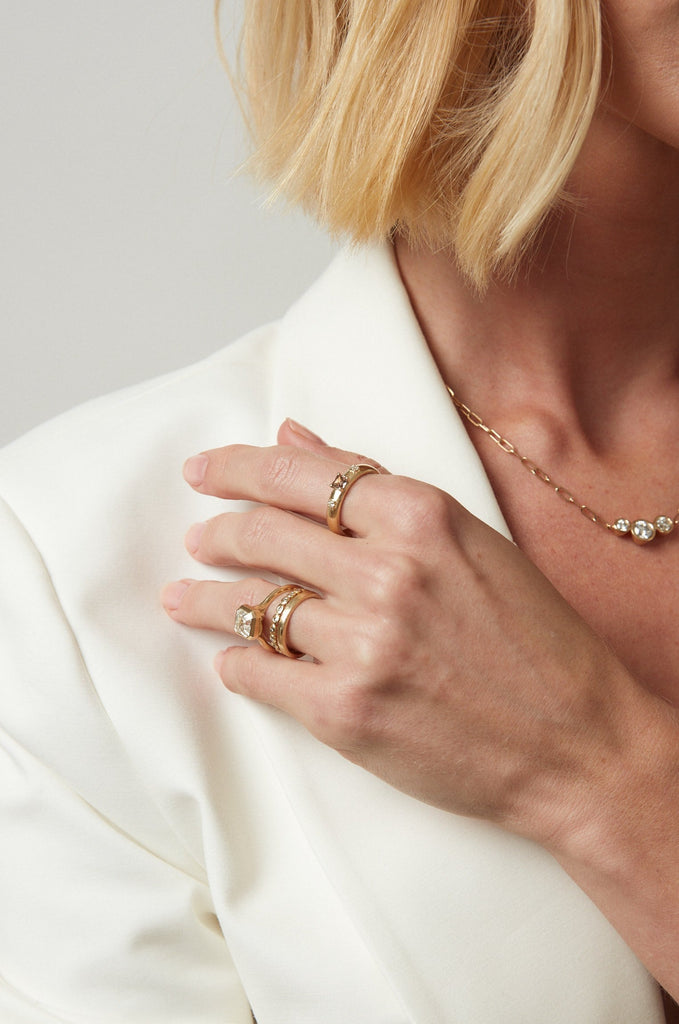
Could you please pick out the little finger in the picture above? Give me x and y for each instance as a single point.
(295, 687)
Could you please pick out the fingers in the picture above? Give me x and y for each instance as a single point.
(291, 432)
(295, 434)
(336, 708)
(285, 477)
(207, 604)
(300, 688)
(271, 539)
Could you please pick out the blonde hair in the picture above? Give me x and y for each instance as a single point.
(454, 122)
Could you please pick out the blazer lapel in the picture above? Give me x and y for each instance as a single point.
(354, 367)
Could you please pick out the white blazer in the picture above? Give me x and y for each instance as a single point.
(172, 853)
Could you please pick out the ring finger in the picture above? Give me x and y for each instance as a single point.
(206, 604)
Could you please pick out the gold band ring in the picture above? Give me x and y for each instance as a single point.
(249, 619)
(278, 630)
(339, 489)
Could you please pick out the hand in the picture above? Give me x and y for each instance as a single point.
(443, 660)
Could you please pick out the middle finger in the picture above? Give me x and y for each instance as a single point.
(280, 542)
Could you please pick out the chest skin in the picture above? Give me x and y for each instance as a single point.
(627, 593)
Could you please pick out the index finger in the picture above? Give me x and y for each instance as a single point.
(283, 476)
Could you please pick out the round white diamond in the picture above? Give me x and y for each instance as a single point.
(622, 526)
(664, 524)
(643, 531)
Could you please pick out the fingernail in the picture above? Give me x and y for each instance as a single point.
(172, 594)
(195, 469)
(297, 428)
(192, 539)
(219, 658)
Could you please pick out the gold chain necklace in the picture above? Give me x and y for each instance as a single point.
(642, 531)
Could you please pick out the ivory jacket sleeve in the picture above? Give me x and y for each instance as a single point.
(104, 915)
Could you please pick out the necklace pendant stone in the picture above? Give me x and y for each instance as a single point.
(643, 531)
(664, 524)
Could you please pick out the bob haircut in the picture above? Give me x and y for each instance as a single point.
(452, 122)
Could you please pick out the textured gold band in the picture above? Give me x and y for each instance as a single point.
(278, 630)
(339, 489)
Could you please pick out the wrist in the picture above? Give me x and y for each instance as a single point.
(619, 842)
(623, 803)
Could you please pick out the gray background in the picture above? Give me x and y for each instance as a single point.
(130, 246)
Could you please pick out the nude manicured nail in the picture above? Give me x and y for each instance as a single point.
(297, 428)
(173, 593)
(195, 469)
(192, 539)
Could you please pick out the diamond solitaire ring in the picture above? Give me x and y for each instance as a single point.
(249, 619)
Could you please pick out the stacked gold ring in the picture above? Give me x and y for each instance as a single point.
(249, 619)
(278, 630)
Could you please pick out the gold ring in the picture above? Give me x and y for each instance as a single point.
(278, 630)
(249, 619)
(339, 489)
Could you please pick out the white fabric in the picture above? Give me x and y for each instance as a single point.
(170, 852)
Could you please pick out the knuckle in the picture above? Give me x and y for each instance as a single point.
(253, 590)
(367, 649)
(384, 639)
(282, 472)
(358, 715)
(381, 652)
(350, 720)
(257, 530)
(396, 651)
(396, 578)
(418, 509)
(221, 461)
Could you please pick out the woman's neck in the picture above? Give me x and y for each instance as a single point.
(590, 331)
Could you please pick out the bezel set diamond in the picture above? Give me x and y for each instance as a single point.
(643, 531)
(664, 524)
(247, 624)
